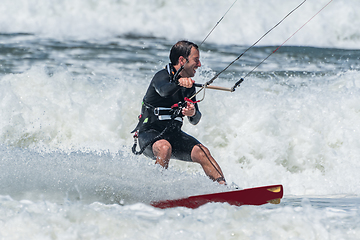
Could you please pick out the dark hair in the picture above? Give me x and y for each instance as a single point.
(181, 48)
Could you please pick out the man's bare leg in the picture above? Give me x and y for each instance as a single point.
(201, 154)
(162, 151)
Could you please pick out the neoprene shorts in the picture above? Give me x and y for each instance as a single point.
(181, 143)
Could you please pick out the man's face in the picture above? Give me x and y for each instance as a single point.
(193, 64)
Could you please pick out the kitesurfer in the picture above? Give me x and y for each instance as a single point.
(168, 88)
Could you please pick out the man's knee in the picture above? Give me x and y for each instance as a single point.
(162, 146)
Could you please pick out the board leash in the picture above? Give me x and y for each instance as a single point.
(221, 178)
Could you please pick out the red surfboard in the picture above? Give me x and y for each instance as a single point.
(251, 196)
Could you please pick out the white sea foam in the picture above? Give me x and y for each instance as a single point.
(300, 136)
(336, 26)
(46, 220)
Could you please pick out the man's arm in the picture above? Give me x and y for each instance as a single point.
(163, 86)
(196, 118)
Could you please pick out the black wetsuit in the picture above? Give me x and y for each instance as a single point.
(164, 92)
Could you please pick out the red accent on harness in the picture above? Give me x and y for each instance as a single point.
(136, 134)
(191, 101)
(186, 100)
(175, 106)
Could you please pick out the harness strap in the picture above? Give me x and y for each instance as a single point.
(219, 179)
(168, 117)
(163, 113)
(176, 115)
(160, 136)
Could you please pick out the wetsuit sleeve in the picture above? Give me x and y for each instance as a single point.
(196, 118)
(163, 86)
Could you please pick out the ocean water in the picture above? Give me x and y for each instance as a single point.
(72, 77)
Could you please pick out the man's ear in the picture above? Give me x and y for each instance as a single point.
(182, 60)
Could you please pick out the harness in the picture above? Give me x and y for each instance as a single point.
(150, 114)
(173, 114)
(163, 113)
